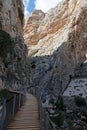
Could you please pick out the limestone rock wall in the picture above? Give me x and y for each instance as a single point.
(13, 51)
(30, 30)
(60, 45)
(11, 16)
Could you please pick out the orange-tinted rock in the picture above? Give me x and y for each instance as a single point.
(60, 41)
(32, 24)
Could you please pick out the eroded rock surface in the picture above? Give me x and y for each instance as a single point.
(58, 45)
(11, 17)
(13, 51)
(33, 23)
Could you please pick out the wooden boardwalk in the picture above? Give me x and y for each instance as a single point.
(27, 118)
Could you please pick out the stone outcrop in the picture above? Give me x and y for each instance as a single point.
(32, 25)
(13, 51)
(57, 45)
(11, 17)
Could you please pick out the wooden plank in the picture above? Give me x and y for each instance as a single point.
(27, 118)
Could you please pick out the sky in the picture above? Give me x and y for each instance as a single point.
(44, 5)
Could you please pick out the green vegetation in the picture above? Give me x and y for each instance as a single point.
(59, 104)
(70, 123)
(5, 94)
(79, 101)
(58, 119)
(79, 125)
(6, 45)
(74, 119)
(84, 112)
(81, 128)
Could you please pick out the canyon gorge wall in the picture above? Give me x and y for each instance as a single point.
(12, 16)
(56, 41)
(57, 44)
(13, 51)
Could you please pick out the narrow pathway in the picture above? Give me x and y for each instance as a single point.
(27, 118)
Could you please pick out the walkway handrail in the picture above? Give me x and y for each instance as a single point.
(10, 107)
(44, 115)
(2, 114)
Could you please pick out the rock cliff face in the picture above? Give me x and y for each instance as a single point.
(11, 16)
(57, 44)
(32, 25)
(12, 48)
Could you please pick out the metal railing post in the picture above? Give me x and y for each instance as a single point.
(3, 115)
(40, 116)
(15, 101)
(47, 121)
(19, 101)
(14, 105)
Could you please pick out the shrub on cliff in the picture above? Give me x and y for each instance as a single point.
(59, 104)
(58, 119)
(5, 94)
(79, 101)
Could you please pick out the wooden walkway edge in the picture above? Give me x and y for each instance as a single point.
(27, 118)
